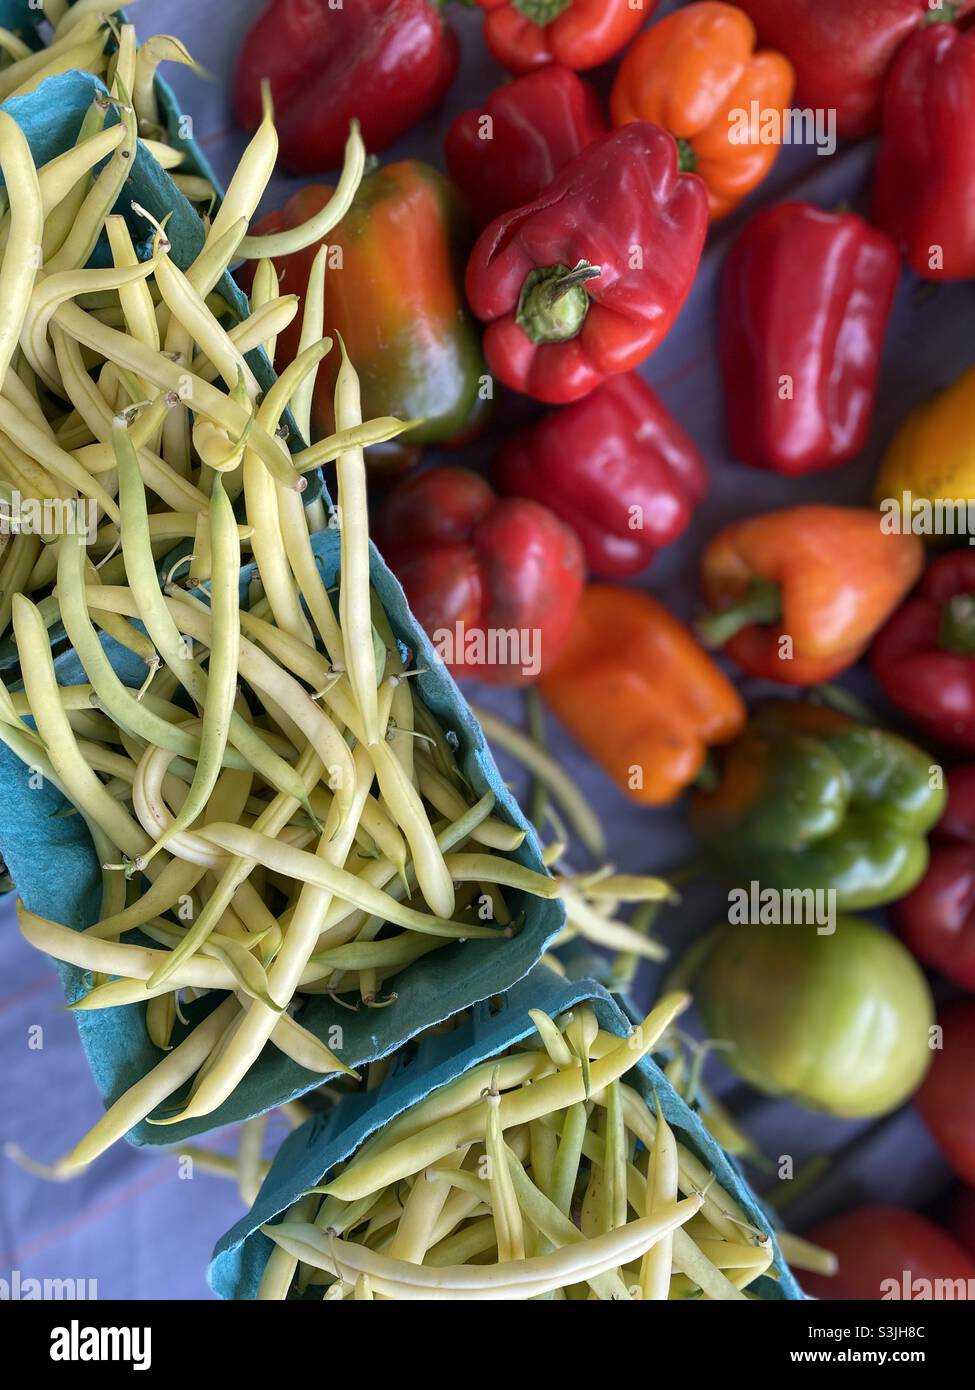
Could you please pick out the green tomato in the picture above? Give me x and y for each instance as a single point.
(836, 1022)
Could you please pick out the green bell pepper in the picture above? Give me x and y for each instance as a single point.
(839, 1023)
(808, 798)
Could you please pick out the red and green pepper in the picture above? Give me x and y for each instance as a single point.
(392, 289)
(924, 658)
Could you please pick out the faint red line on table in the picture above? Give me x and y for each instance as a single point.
(162, 1170)
(26, 991)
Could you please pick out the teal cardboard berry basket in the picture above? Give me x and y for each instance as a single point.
(50, 855)
(491, 1028)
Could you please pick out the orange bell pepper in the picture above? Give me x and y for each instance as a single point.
(639, 694)
(692, 73)
(796, 595)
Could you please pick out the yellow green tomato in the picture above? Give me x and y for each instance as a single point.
(837, 1022)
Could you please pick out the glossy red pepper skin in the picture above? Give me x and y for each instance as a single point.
(525, 34)
(924, 657)
(388, 63)
(937, 918)
(841, 49)
(946, 1097)
(506, 153)
(881, 1248)
(805, 300)
(622, 206)
(476, 565)
(924, 177)
(961, 1219)
(616, 467)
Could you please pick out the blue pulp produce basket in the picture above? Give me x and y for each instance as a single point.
(491, 1029)
(26, 20)
(51, 858)
(50, 118)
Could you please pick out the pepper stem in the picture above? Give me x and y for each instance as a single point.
(843, 701)
(540, 12)
(761, 603)
(956, 631)
(686, 156)
(554, 303)
(945, 13)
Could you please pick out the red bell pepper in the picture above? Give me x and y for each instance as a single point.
(946, 1098)
(937, 918)
(887, 1252)
(617, 467)
(805, 299)
(386, 62)
(525, 34)
(842, 49)
(506, 153)
(924, 177)
(961, 1219)
(925, 656)
(586, 281)
(495, 582)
